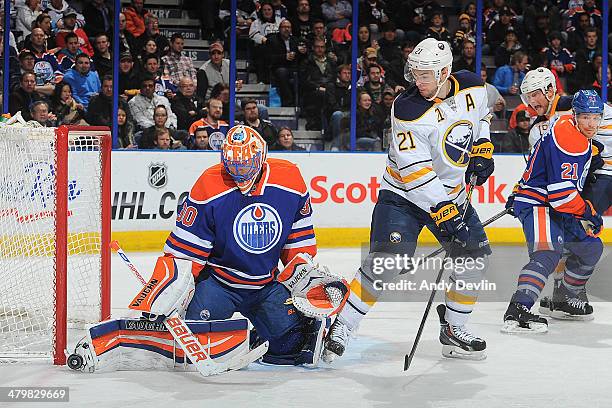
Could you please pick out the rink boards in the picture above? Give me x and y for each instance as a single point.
(147, 187)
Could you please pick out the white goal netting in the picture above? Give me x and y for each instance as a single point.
(28, 267)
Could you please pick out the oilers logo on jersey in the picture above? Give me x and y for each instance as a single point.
(257, 228)
(457, 143)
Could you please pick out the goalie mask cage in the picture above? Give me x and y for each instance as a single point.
(54, 237)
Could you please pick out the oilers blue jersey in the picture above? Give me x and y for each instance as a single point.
(240, 238)
(556, 170)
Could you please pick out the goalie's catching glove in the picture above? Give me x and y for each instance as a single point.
(315, 291)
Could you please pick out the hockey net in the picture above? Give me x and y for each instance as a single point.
(54, 234)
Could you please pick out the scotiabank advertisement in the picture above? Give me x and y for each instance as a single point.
(148, 186)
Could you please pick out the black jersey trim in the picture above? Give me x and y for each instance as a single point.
(413, 163)
(409, 189)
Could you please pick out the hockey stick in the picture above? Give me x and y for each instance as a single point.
(408, 358)
(189, 343)
(440, 250)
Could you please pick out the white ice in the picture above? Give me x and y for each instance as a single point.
(570, 366)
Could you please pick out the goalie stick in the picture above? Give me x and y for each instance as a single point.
(199, 356)
(408, 357)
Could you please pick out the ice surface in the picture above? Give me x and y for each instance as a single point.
(571, 366)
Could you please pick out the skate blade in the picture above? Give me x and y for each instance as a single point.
(457, 352)
(328, 357)
(544, 310)
(512, 327)
(561, 315)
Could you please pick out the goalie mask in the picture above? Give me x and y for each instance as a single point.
(429, 55)
(243, 154)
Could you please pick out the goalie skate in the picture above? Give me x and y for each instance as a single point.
(519, 319)
(457, 342)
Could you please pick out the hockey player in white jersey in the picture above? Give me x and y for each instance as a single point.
(440, 128)
(539, 91)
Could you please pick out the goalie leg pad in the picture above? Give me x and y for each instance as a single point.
(169, 289)
(136, 344)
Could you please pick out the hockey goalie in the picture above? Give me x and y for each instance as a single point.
(241, 217)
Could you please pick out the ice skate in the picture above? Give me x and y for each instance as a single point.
(336, 341)
(570, 306)
(458, 342)
(519, 319)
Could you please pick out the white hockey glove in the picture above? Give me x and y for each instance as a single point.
(315, 291)
(169, 289)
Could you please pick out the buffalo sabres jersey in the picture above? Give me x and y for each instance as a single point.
(556, 170)
(239, 239)
(432, 140)
(561, 105)
(604, 136)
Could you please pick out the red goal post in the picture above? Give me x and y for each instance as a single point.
(55, 212)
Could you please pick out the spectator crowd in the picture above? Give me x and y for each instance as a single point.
(61, 64)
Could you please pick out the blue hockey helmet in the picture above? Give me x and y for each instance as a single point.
(587, 101)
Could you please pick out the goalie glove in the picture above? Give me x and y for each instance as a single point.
(315, 291)
(169, 289)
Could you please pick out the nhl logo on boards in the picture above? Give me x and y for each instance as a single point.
(395, 237)
(257, 228)
(158, 175)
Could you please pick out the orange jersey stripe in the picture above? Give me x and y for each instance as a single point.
(301, 233)
(532, 194)
(531, 280)
(187, 247)
(568, 137)
(212, 182)
(288, 254)
(233, 279)
(286, 174)
(575, 206)
(561, 194)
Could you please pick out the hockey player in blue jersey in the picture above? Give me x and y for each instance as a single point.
(539, 91)
(241, 217)
(554, 215)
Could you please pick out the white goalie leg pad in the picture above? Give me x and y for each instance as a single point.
(139, 345)
(315, 291)
(169, 289)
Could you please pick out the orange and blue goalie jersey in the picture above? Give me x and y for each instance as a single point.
(556, 170)
(240, 238)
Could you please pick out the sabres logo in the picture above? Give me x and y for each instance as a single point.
(257, 228)
(457, 143)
